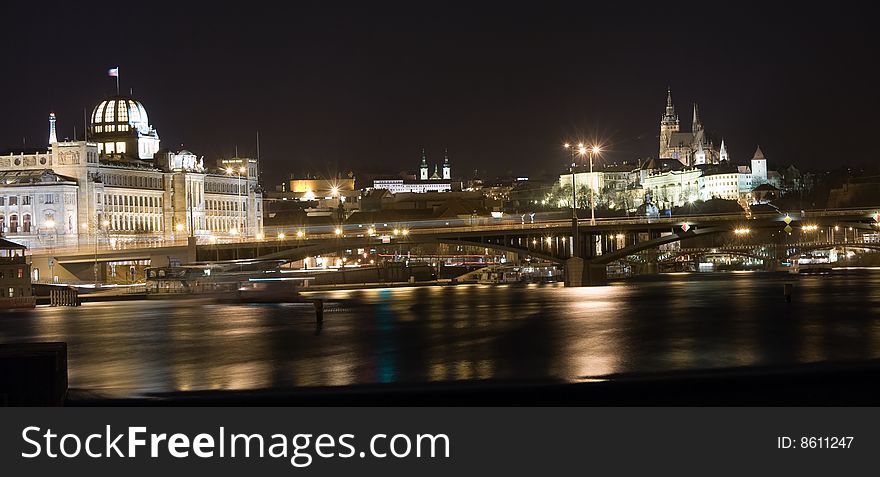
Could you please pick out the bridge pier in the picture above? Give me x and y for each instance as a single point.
(579, 273)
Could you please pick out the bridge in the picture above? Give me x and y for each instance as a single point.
(584, 250)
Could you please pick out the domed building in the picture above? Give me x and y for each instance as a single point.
(121, 128)
(118, 185)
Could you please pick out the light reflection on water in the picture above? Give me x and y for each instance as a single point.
(462, 333)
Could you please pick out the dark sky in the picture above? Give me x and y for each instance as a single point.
(333, 87)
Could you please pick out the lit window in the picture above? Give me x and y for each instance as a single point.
(123, 127)
(120, 147)
(109, 111)
(98, 112)
(122, 114)
(109, 148)
(100, 147)
(99, 129)
(110, 128)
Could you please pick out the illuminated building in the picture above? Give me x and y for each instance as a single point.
(119, 184)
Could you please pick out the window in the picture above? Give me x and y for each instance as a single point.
(120, 147)
(109, 111)
(20, 273)
(26, 200)
(11, 292)
(26, 223)
(36, 273)
(109, 148)
(50, 198)
(13, 200)
(13, 224)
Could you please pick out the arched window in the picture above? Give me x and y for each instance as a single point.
(13, 224)
(26, 223)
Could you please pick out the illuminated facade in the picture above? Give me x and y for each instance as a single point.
(690, 148)
(436, 182)
(118, 185)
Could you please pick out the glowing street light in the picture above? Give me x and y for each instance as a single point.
(179, 227)
(405, 231)
(260, 236)
(299, 234)
(371, 231)
(280, 235)
(396, 231)
(338, 231)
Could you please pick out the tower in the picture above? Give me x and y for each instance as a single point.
(723, 154)
(700, 155)
(423, 167)
(668, 126)
(696, 125)
(759, 168)
(447, 169)
(53, 138)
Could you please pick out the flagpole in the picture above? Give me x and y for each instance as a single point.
(117, 81)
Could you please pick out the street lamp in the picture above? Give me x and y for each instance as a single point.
(593, 150)
(581, 151)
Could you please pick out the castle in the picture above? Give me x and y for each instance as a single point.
(690, 148)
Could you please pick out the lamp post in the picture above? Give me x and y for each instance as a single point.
(581, 151)
(593, 150)
(103, 224)
(574, 218)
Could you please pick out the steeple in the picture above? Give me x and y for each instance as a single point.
(53, 138)
(668, 126)
(696, 125)
(670, 108)
(759, 154)
(723, 153)
(447, 168)
(423, 167)
(436, 175)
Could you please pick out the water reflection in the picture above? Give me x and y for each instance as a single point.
(462, 333)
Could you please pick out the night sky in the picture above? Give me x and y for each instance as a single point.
(338, 88)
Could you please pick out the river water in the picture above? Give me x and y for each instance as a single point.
(466, 332)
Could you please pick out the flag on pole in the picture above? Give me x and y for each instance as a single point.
(113, 72)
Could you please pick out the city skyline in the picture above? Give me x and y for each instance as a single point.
(328, 91)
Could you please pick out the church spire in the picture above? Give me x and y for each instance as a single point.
(423, 167)
(697, 125)
(670, 108)
(723, 157)
(447, 168)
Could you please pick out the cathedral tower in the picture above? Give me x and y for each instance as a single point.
(668, 125)
(423, 167)
(447, 169)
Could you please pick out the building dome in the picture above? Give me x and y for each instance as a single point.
(118, 111)
(120, 126)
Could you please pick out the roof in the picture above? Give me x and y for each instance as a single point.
(759, 154)
(8, 244)
(33, 176)
(664, 164)
(681, 139)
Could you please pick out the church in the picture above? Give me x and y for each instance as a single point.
(118, 185)
(691, 148)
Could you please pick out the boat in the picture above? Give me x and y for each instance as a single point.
(810, 263)
(227, 287)
(500, 275)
